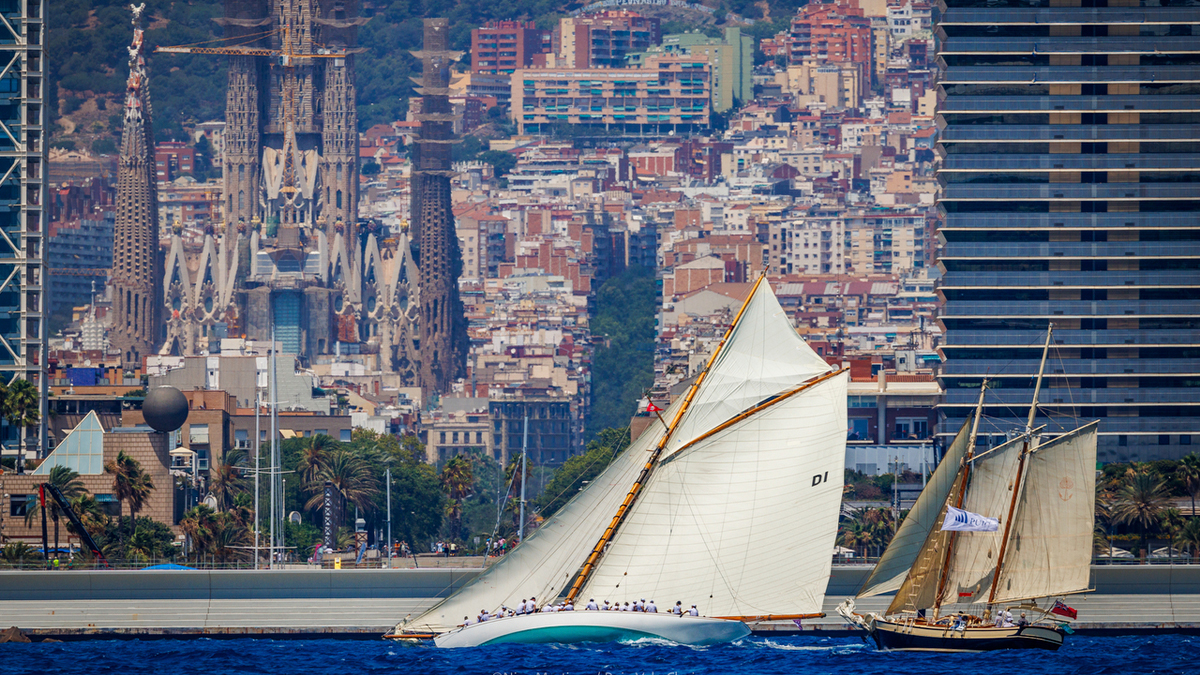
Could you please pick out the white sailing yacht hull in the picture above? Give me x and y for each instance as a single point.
(595, 626)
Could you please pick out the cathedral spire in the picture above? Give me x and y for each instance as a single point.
(137, 264)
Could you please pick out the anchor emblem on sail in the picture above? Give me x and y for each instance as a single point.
(1064, 489)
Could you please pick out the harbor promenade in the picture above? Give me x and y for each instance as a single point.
(364, 603)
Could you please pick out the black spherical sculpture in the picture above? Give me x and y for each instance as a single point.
(165, 409)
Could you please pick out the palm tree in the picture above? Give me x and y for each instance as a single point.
(1140, 500)
(854, 535)
(199, 523)
(352, 480)
(67, 481)
(1188, 538)
(22, 404)
(314, 457)
(458, 477)
(226, 480)
(1189, 472)
(90, 514)
(18, 552)
(130, 484)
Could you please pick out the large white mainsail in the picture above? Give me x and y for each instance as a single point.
(542, 565)
(763, 356)
(1050, 545)
(902, 552)
(742, 521)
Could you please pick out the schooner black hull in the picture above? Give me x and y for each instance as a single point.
(903, 636)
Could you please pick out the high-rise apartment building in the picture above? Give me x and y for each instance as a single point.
(23, 215)
(602, 39)
(499, 47)
(1070, 193)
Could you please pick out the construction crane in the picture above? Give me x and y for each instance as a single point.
(287, 57)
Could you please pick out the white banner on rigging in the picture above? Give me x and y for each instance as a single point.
(965, 521)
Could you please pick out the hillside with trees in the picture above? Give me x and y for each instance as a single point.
(89, 38)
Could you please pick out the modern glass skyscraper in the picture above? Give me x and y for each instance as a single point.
(1071, 188)
(23, 216)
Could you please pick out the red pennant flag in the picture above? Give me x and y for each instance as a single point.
(1061, 609)
(651, 408)
(965, 595)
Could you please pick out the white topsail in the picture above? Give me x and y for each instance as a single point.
(763, 356)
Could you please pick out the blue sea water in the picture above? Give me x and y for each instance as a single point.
(1142, 655)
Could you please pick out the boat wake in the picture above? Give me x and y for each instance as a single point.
(832, 648)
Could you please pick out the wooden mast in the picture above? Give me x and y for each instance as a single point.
(1018, 484)
(965, 473)
(635, 490)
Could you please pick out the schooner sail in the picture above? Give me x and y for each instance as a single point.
(733, 505)
(1042, 494)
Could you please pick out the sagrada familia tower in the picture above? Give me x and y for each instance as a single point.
(137, 264)
(291, 257)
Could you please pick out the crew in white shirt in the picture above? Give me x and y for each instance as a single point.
(606, 606)
(651, 608)
(693, 611)
(592, 606)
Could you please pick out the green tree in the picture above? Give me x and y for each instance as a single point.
(68, 482)
(130, 484)
(570, 478)
(21, 407)
(314, 458)
(457, 479)
(1140, 500)
(502, 162)
(226, 480)
(417, 502)
(1188, 538)
(1188, 472)
(353, 481)
(19, 553)
(624, 367)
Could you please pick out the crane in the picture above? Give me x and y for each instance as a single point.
(287, 58)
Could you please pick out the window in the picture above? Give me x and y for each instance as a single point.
(241, 438)
(262, 434)
(109, 504)
(19, 505)
(1164, 439)
(859, 429)
(442, 437)
(911, 429)
(344, 435)
(321, 432)
(198, 434)
(1122, 440)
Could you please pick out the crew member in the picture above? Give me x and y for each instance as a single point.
(693, 611)
(592, 606)
(651, 608)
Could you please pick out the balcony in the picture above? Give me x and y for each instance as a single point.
(1000, 221)
(1069, 191)
(1044, 162)
(1067, 132)
(1029, 367)
(1074, 249)
(1057, 279)
(1071, 338)
(1101, 308)
(1069, 74)
(1115, 104)
(1069, 16)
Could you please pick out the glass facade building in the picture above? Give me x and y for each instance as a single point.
(1070, 145)
(23, 214)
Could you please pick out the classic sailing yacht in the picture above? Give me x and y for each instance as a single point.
(731, 504)
(1042, 494)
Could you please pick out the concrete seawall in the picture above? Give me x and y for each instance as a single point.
(365, 603)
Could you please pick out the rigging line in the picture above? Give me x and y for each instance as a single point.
(626, 430)
(226, 39)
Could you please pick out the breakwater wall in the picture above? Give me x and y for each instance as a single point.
(365, 603)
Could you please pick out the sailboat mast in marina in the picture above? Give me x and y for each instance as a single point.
(992, 530)
(731, 504)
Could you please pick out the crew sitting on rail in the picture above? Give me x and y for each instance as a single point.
(606, 606)
(651, 608)
(677, 610)
(693, 611)
(592, 606)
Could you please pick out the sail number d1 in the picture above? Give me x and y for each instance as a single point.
(820, 478)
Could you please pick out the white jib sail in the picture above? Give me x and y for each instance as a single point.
(742, 522)
(551, 554)
(1050, 544)
(902, 553)
(762, 357)
(989, 493)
